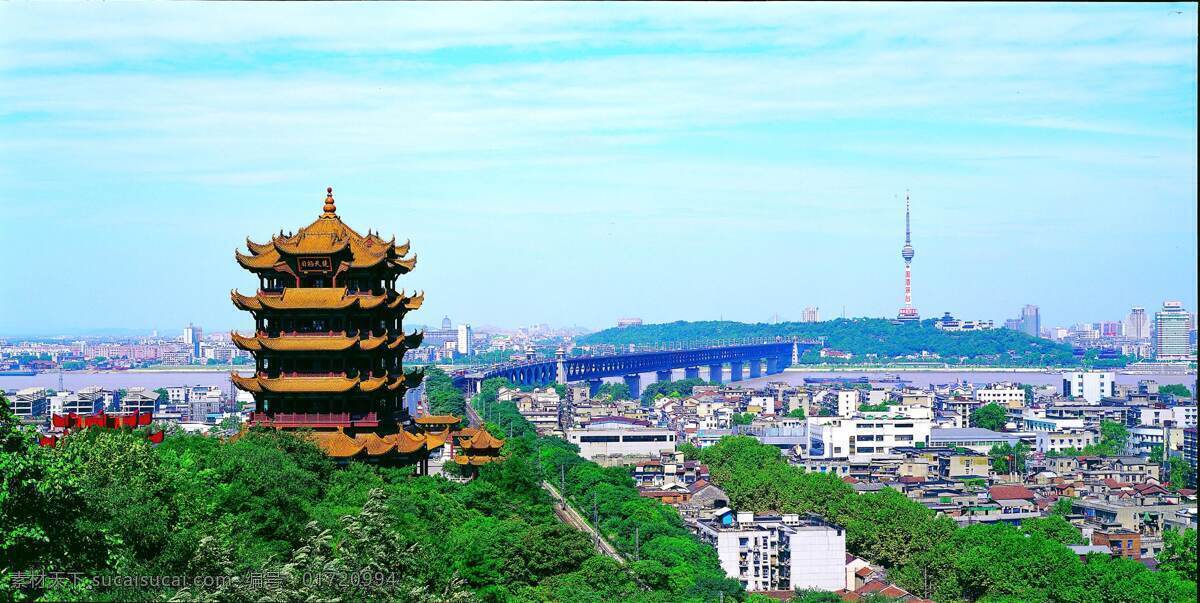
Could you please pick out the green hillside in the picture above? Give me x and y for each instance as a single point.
(865, 336)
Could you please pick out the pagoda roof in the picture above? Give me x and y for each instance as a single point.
(324, 385)
(340, 445)
(323, 298)
(328, 235)
(312, 343)
(482, 440)
(437, 420)
(464, 459)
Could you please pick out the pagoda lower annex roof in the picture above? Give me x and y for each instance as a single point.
(338, 444)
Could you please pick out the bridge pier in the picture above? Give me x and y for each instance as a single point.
(756, 368)
(663, 375)
(735, 371)
(714, 373)
(634, 383)
(594, 386)
(691, 372)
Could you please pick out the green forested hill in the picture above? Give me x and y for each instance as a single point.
(863, 336)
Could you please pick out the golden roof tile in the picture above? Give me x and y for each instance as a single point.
(482, 440)
(301, 385)
(328, 235)
(373, 444)
(336, 443)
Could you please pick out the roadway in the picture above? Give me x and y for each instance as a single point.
(567, 514)
(562, 508)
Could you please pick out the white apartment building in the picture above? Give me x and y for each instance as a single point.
(137, 399)
(1182, 416)
(204, 401)
(87, 401)
(1090, 385)
(777, 552)
(177, 394)
(1057, 441)
(867, 436)
(610, 436)
(1002, 394)
(31, 402)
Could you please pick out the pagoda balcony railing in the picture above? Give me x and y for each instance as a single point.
(344, 333)
(315, 419)
(348, 372)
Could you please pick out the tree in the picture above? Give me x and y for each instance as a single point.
(805, 595)
(1113, 437)
(1055, 528)
(743, 418)
(1180, 473)
(1009, 458)
(796, 413)
(1179, 552)
(989, 416)
(1175, 389)
(614, 391)
(1062, 507)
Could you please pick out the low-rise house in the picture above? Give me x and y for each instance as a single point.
(668, 469)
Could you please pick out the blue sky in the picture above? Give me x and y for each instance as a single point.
(572, 164)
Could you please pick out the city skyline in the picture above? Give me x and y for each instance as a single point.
(618, 157)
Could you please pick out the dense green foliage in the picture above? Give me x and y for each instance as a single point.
(1009, 458)
(671, 389)
(106, 504)
(741, 418)
(796, 413)
(444, 398)
(1054, 527)
(862, 337)
(1180, 473)
(989, 416)
(928, 554)
(613, 391)
(1175, 389)
(663, 554)
(1179, 552)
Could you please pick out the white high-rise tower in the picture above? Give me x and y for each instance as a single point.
(908, 313)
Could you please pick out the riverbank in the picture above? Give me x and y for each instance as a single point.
(854, 368)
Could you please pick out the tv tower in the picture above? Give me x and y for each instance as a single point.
(907, 313)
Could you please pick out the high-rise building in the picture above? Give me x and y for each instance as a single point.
(1137, 324)
(1091, 386)
(1172, 327)
(1110, 328)
(811, 314)
(1031, 321)
(191, 337)
(907, 313)
(465, 346)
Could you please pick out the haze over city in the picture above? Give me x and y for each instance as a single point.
(581, 163)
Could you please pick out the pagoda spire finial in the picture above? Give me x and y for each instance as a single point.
(330, 208)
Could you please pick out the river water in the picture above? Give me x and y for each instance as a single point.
(155, 379)
(74, 380)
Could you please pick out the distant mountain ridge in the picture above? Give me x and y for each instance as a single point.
(862, 337)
